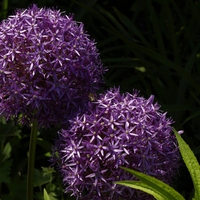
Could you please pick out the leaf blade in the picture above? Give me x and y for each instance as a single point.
(143, 187)
(191, 163)
(46, 196)
(155, 184)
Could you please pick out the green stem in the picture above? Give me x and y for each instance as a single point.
(31, 160)
(0, 190)
(5, 8)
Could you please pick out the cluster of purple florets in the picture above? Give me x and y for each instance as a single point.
(49, 69)
(48, 66)
(117, 130)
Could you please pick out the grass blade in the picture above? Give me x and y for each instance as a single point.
(151, 183)
(46, 196)
(143, 187)
(156, 28)
(191, 163)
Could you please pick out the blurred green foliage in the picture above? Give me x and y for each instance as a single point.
(150, 45)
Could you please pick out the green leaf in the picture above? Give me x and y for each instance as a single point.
(46, 196)
(17, 188)
(143, 187)
(153, 186)
(191, 163)
(48, 171)
(44, 144)
(160, 58)
(6, 151)
(5, 168)
(4, 9)
(41, 178)
(156, 27)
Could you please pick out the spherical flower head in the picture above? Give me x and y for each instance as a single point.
(48, 66)
(117, 130)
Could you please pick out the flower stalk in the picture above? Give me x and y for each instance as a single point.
(31, 159)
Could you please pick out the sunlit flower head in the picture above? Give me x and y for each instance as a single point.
(117, 130)
(48, 66)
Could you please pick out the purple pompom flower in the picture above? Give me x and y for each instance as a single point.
(48, 66)
(117, 130)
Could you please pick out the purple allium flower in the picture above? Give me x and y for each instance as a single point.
(48, 66)
(117, 130)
